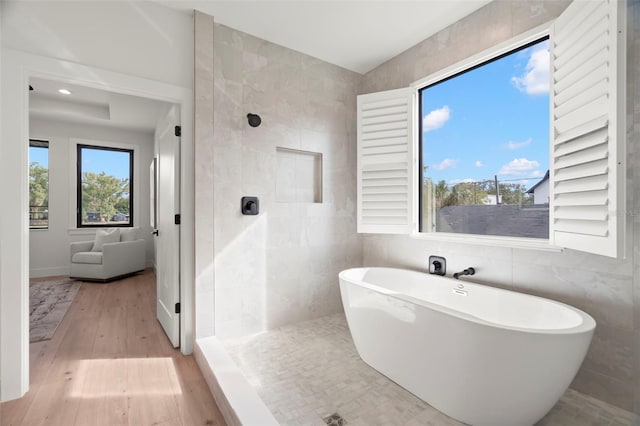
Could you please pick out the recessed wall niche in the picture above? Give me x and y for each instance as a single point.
(298, 176)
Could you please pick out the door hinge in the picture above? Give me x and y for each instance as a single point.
(178, 131)
(176, 219)
(177, 308)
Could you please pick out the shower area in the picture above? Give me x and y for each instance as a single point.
(280, 266)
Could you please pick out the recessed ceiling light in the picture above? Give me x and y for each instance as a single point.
(64, 91)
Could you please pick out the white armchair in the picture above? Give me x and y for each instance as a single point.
(116, 260)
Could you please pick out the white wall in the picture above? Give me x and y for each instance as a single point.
(204, 157)
(633, 136)
(105, 44)
(49, 248)
(281, 266)
(541, 193)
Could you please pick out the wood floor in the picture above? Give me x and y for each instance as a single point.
(109, 363)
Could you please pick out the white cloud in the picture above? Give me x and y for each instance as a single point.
(535, 79)
(447, 163)
(519, 166)
(517, 145)
(436, 119)
(479, 163)
(537, 174)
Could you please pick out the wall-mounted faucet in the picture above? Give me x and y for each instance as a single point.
(468, 271)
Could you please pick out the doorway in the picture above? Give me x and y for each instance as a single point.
(18, 69)
(106, 187)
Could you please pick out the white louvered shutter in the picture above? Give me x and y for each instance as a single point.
(587, 127)
(386, 154)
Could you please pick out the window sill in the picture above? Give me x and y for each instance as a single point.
(92, 230)
(487, 240)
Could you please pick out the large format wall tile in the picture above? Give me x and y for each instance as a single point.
(282, 265)
(204, 156)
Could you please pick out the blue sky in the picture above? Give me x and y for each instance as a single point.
(39, 155)
(114, 163)
(493, 120)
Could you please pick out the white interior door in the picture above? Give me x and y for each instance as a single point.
(167, 231)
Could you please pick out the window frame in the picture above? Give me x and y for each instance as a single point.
(420, 134)
(48, 143)
(588, 140)
(532, 36)
(79, 146)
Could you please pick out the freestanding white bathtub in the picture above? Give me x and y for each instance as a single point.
(479, 354)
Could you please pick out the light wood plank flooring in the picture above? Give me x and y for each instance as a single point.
(110, 363)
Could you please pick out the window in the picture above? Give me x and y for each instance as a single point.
(105, 186)
(484, 147)
(587, 145)
(38, 184)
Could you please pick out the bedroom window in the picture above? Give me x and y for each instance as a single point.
(484, 147)
(38, 184)
(105, 186)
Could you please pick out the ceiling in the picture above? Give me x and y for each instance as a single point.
(92, 106)
(357, 35)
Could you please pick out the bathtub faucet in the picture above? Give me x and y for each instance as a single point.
(468, 271)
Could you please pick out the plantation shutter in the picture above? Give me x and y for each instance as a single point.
(587, 128)
(385, 162)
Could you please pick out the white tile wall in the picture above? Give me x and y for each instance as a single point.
(282, 265)
(204, 176)
(298, 176)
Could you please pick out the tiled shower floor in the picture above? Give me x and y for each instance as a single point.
(308, 371)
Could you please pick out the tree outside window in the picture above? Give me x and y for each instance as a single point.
(38, 184)
(105, 190)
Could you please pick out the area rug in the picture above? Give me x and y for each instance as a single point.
(48, 303)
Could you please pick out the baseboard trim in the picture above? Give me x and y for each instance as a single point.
(55, 271)
(48, 272)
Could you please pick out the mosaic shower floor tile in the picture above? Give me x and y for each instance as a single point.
(308, 372)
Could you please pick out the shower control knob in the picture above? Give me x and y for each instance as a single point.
(250, 206)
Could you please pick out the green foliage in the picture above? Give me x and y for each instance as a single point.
(38, 185)
(514, 193)
(104, 195)
(441, 191)
(472, 193)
